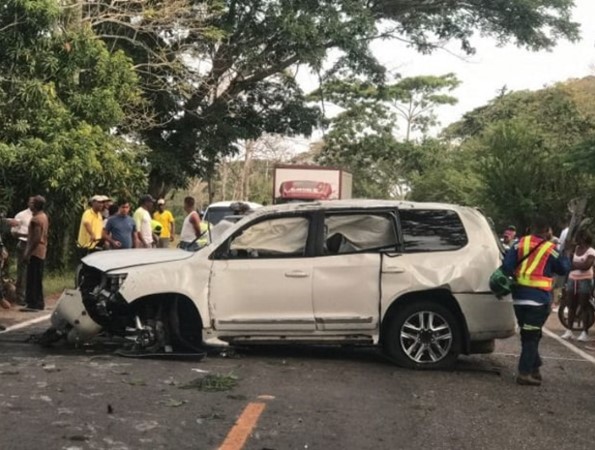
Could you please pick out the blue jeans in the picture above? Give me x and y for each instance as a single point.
(530, 319)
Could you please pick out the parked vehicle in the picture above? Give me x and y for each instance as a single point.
(294, 183)
(217, 211)
(409, 277)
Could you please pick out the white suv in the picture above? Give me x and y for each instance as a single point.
(411, 277)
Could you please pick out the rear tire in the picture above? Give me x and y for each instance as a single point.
(423, 335)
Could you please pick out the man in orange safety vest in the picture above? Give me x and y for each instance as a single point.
(533, 261)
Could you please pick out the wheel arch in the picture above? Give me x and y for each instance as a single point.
(188, 312)
(442, 297)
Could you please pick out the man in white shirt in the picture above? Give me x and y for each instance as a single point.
(20, 230)
(142, 219)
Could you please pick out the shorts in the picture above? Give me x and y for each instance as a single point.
(579, 286)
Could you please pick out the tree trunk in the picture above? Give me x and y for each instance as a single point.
(245, 181)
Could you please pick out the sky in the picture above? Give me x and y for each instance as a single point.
(492, 67)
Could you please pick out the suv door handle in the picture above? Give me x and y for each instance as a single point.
(296, 274)
(394, 269)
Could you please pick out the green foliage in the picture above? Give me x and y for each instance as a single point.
(363, 138)
(535, 24)
(61, 95)
(521, 146)
(67, 169)
(439, 172)
(415, 99)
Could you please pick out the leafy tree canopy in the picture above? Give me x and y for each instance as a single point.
(363, 137)
(241, 57)
(521, 146)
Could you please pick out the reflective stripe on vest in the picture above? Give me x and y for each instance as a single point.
(531, 271)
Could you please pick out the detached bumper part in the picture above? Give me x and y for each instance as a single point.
(70, 314)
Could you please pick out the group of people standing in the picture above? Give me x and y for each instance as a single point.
(30, 227)
(575, 289)
(533, 261)
(109, 225)
(104, 224)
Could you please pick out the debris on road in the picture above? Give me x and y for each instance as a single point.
(135, 382)
(50, 368)
(173, 403)
(212, 383)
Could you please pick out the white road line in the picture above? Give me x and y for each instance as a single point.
(569, 346)
(26, 323)
(555, 358)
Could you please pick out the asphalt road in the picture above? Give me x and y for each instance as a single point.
(322, 398)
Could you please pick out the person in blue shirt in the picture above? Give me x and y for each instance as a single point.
(120, 229)
(533, 261)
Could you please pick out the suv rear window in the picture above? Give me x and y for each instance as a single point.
(432, 230)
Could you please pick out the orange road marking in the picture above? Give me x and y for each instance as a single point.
(237, 436)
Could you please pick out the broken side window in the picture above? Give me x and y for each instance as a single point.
(350, 233)
(272, 238)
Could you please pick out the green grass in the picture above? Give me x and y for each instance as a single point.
(56, 282)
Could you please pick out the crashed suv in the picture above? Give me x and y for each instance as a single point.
(409, 277)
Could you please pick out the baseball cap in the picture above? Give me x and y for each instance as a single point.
(147, 198)
(99, 198)
(161, 201)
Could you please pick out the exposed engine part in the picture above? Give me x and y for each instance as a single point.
(159, 324)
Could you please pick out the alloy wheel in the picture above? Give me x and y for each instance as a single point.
(426, 337)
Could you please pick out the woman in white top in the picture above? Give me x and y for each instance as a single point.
(580, 283)
(191, 227)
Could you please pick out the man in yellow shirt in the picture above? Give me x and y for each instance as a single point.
(168, 224)
(91, 227)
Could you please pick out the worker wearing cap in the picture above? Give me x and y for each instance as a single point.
(509, 237)
(168, 225)
(142, 219)
(91, 228)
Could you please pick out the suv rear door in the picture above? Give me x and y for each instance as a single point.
(432, 241)
(346, 272)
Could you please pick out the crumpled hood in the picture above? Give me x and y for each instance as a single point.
(108, 260)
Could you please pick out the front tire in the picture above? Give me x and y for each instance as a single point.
(423, 335)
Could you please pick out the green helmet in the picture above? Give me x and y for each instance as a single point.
(500, 283)
(156, 227)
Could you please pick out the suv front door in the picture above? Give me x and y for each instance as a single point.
(261, 278)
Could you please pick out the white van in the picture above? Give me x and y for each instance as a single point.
(217, 211)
